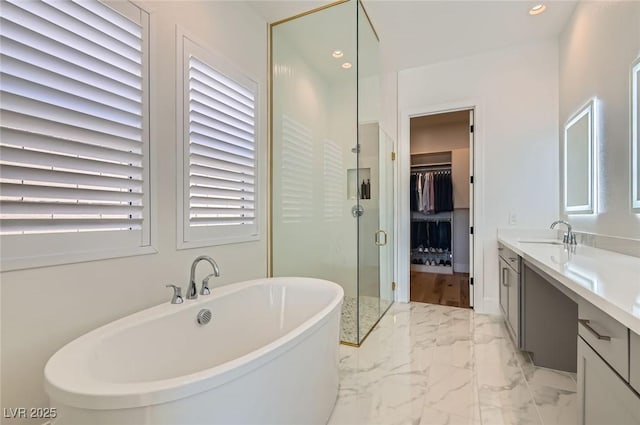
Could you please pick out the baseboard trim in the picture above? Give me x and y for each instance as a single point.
(490, 306)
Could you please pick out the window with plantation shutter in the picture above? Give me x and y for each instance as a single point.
(74, 148)
(219, 151)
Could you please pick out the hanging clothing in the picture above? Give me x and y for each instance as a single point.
(431, 234)
(419, 235)
(444, 235)
(427, 194)
(413, 194)
(419, 190)
(444, 190)
(431, 192)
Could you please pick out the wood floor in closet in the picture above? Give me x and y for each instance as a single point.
(444, 289)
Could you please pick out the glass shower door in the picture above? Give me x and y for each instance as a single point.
(370, 236)
(375, 228)
(387, 223)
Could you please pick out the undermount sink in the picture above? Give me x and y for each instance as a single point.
(541, 241)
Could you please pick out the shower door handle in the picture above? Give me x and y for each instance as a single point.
(377, 238)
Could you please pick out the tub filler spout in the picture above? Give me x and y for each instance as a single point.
(192, 290)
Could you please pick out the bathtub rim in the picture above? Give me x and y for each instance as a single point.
(86, 392)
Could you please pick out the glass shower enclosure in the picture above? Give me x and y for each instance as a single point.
(331, 164)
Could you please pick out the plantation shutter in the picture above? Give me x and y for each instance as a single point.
(73, 130)
(221, 152)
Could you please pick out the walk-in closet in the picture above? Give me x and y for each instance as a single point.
(440, 208)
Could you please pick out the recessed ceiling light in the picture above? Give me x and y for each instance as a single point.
(337, 54)
(346, 65)
(537, 9)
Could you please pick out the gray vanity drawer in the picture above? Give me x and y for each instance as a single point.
(608, 337)
(510, 257)
(634, 364)
(603, 398)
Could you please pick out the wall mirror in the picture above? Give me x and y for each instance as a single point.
(635, 136)
(579, 161)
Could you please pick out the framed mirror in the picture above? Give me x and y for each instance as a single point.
(579, 161)
(635, 136)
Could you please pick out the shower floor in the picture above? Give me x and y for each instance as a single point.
(370, 310)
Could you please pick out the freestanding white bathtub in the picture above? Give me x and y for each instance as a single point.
(269, 355)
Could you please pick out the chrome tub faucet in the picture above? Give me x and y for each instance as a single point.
(192, 290)
(177, 294)
(204, 290)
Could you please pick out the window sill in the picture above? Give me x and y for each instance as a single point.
(23, 263)
(216, 242)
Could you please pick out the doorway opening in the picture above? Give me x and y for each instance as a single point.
(441, 204)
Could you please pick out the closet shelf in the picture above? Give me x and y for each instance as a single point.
(431, 269)
(431, 164)
(415, 253)
(441, 216)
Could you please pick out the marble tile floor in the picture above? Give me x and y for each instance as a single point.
(370, 310)
(427, 364)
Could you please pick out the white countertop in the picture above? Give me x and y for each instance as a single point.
(608, 280)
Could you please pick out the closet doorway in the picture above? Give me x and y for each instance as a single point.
(441, 197)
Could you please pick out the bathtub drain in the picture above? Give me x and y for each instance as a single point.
(204, 316)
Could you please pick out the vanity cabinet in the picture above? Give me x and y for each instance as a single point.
(634, 363)
(608, 337)
(504, 288)
(551, 318)
(608, 364)
(510, 291)
(603, 396)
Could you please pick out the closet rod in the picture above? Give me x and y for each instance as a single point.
(419, 169)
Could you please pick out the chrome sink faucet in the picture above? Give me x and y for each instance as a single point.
(569, 237)
(192, 290)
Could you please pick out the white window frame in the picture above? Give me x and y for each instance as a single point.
(50, 249)
(195, 237)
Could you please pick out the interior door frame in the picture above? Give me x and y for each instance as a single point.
(403, 234)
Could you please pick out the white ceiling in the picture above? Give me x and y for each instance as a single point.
(422, 32)
(315, 41)
(276, 10)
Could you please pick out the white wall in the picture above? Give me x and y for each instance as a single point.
(45, 308)
(597, 49)
(389, 109)
(440, 137)
(515, 92)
